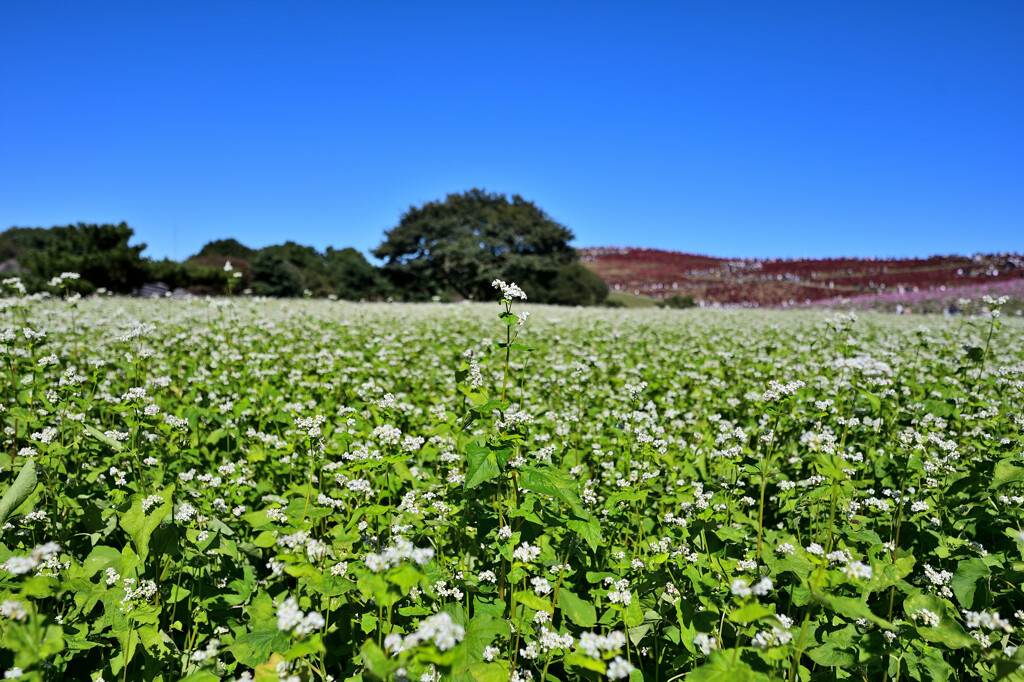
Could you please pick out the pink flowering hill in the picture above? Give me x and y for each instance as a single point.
(660, 274)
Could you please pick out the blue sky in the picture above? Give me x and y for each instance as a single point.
(733, 129)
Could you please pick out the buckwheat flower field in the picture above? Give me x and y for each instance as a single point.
(311, 490)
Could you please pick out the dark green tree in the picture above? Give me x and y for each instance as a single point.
(460, 245)
(574, 284)
(350, 276)
(229, 248)
(101, 254)
(309, 263)
(272, 275)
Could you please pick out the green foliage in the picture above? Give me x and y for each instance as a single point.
(101, 254)
(226, 248)
(272, 489)
(350, 276)
(272, 275)
(23, 486)
(460, 245)
(678, 302)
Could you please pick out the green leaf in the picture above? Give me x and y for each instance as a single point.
(533, 601)
(488, 672)
(852, 608)
(589, 530)
(887, 575)
(584, 661)
(557, 484)
(481, 465)
(974, 353)
(114, 445)
(21, 413)
(1005, 472)
(23, 486)
(874, 400)
(578, 610)
(634, 614)
(968, 574)
(481, 631)
(368, 622)
(948, 632)
(377, 663)
(266, 538)
(255, 648)
(178, 592)
(140, 524)
(100, 558)
(201, 676)
(722, 667)
(750, 612)
(832, 656)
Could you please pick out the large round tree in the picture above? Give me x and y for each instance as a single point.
(458, 246)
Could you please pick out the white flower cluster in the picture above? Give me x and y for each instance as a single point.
(619, 669)
(441, 589)
(766, 639)
(549, 641)
(63, 277)
(186, 512)
(133, 595)
(864, 364)
(513, 420)
(929, 618)
(939, 579)
(778, 390)
(392, 556)
(290, 618)
(741, 588)
(150, 501)
(439, 629)
(18, 565)
(593, 644)
(387, 434)
(858, 571)
(526, 553)
(276, 514)
(541, 586)
(13, 609)
(14, 283)
(509, 291)
(705, 642)
(987, 620)
(311, 425)
(620, 594)
(212, 650)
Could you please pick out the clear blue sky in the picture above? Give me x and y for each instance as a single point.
(726, 128)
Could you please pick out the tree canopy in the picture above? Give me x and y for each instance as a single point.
(458, 246)
(453, 249)
(101, 254)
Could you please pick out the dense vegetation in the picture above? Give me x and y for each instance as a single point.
(313, 490)
(448, 250)
(459, 246)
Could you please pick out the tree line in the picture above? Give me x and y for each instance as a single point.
(444, 250)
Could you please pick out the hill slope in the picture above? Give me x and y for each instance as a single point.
(785, 282)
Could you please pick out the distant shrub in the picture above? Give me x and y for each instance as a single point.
(679, 302)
